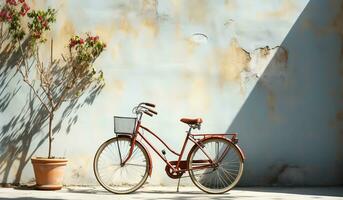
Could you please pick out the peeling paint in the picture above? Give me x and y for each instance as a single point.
(264, 51)
(232, 61)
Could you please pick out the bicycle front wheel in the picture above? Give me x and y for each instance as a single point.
(118, 178)
(219, 178)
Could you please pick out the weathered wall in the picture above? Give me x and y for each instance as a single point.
(270, 70)
(291, 124)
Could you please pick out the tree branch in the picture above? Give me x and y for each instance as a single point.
(25, 77)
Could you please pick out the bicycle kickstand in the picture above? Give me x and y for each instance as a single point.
(178, 185)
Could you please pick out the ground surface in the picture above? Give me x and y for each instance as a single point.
(93, 193)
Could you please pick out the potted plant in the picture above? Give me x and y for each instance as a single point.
(59, 80)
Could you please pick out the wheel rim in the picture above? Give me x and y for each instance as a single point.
(114, 177)
(225, 175)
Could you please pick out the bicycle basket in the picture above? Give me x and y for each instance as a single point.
(124, 125)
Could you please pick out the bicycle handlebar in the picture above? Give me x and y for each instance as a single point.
(149, 104)
(142, 109)
(150, 110)
(146, 112)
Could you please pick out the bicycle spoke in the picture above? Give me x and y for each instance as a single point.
(135, 165)
(225, 172)
(228, 173)
(114, 177)
(228, 177)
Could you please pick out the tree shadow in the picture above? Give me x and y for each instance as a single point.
(18, 136)
(290, 125)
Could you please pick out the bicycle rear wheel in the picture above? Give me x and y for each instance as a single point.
(117, 178)
(215, 179)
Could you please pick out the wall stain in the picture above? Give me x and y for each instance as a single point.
(285, 174)
(116, 86)
(196, 91)
(279, 63)
(126, 27)
(339, 116)
(232, 61)
(284, 11)
(106, 32)
(191, 45)
(230, 5)
(199, 93)
(197, 11)
(264, 51)
(338, 26)
(62, 39)
(271, 100)
(152, 26)
(282, 55)
(38, 4)
(150, 16)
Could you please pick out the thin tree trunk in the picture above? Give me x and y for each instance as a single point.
(51, 117)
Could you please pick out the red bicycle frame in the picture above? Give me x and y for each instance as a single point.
(179, 165)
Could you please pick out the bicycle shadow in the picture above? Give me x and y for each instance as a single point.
(28, 198)
(148, 193)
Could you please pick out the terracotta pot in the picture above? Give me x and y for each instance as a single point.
(49, 172)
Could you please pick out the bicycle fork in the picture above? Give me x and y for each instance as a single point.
(133, 142)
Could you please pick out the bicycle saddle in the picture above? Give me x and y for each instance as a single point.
(191, 121)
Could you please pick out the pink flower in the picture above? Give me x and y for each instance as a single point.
(11, 2)
(45, 24)
(21, 1)
(3, 14)
(8, 16)
(72, 43)
(25, 7)
(40, 18)
(81, 41)
(36, 34)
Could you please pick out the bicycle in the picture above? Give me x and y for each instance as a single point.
(122, 164)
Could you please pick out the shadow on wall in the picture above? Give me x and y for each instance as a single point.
(290, 126)
(18, 137)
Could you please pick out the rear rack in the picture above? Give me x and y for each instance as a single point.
(233, 138)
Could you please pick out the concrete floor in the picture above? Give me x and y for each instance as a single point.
(150, 192)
